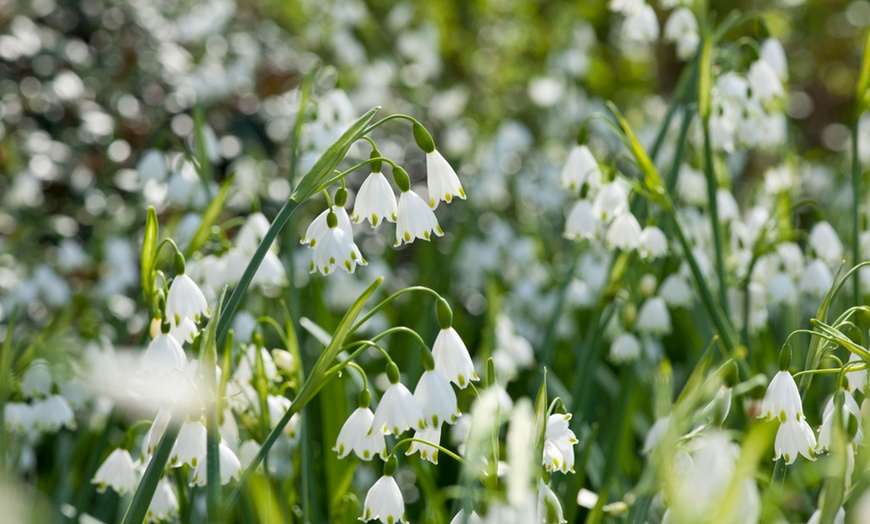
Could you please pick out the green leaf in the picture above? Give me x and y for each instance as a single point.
(208, 357)
(149, 253)
(326, 164)
(541, 407)
(138, 508)
(208, 218)
(651, 178)
(317, 378)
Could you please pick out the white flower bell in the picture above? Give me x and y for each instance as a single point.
(452, 359)
(375, 201)
(117, 472)
(436, 398)
(794, 437)
(384, 500)
(398, 409)
(358, 436)
(580, 168)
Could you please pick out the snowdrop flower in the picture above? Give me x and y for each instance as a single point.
(442, 180)
(581, 222)
(252, 232)
(625, 7)
(792, 438)
(18, 417)
(676, 291)
(782, 290)
(692, 186)
(452, 359)
(764, 83)
(654, 317)
(816, 279)
(398, 409)
(436, 399)
(641, 26)
(624, 348)
(610, 202)
(414, 219)
(850, 408)
(189, 447)
(772, 53)
(278, 405)
(559, 444)
(357, 435)
(460, 518)
(624, 233)
(653, 243)
(36, 381)
(185, 331)
(318, 227)
(384, 500)
(682, 29)
(375, 201)
(549, 507)
(117, 472)
(857, 379)
(164, 355)
(580, 168)
(164, 504)
(430, 453)
(335, 248)
(782, 399)
(825, 243)
(230, 467)
(53, 413)
(185, 300)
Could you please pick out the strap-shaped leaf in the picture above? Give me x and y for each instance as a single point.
(208, 218)
(149, 253)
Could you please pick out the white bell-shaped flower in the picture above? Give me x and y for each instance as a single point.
(850, 409)
(826, 244)
(839, 517)
(398, 411)
(436, 398)
(185, 331)
(682, 30)
(336, 248)
(858, 378)
(442, 181)
(625, 348)
(773, 53)
(460, 518)
(415, 219)
(581, 223)
(653, 317)
(624, 233)
(625, 7)
(117, 472)
(185, 300)
(164, 355)
(452, 359)
(610, 202)
(36, 381)
(252, 232)
(52, 413)
(18, 417)
(384, 502)
(653, 243)
(164, 504)
(782, 399)
(189, 447)
(375, 201)
(764, 83)
(230, 467)
(793, 438)
(816, 279)
(357, 435)
(427, 452)
(676, 291)
(559, 444)
(642, 26)
(549, 507)
(155, 432)
(580, 168)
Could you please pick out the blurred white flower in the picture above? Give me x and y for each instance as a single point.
(764, 82)
(581, 223)
(163, 356)
(653, 243)
(52, 413)
(825, 243)
(624, 233)
(580, 168)
(117, 472)
(230, 467)
(431, 434)
(625, 348)
(839, 517)
(549, 507)
(676, 291)
(185, 300)
(460, 518)
(653, 317)
(641, 26)
(610, 202)
(682, 29)
(773, 53)
(816, 279)
(189, 447)
(164, 504)
(36, 381)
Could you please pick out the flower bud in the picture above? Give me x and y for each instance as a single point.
(377, 165)
(390, 466)
(179, 263)
(426, 358)
(331, 220)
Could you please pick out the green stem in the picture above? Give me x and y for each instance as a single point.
(444, 450)
(715, 224)
(856, 210)
(382, 304)
(148, 485)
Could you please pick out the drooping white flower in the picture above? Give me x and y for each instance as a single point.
(549, 507)
(415, 219)
(559, 444)
(580, 168)
(117, 472)
(436, 398)
(36, 381)
(230, 467)
(794, 437)
(816, 279)
(185, 331)
(384, 502)
(441, 179)
(397, 411)
(375, 201)
(653, 243)
(764, 83)
(642, 26)
(164, 355)
(676, 291)
(782, 289)
(773, 53)
(336, 248)
(858, 378)
(653, 317)
(319, 227)
(18, 417)
(189, 447)
(682, 29)
(624, 233)
(850, 409)
(692, 186)
(581, 222)
(185, 300)
(625, 7)
(460, 518)
(278, 405)
(610, 202)
(782, 399)
(826, 244)
(452, 359)
(164, 504)
(357, 435)
(625, 348)
(52, 413)
(431, 434)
